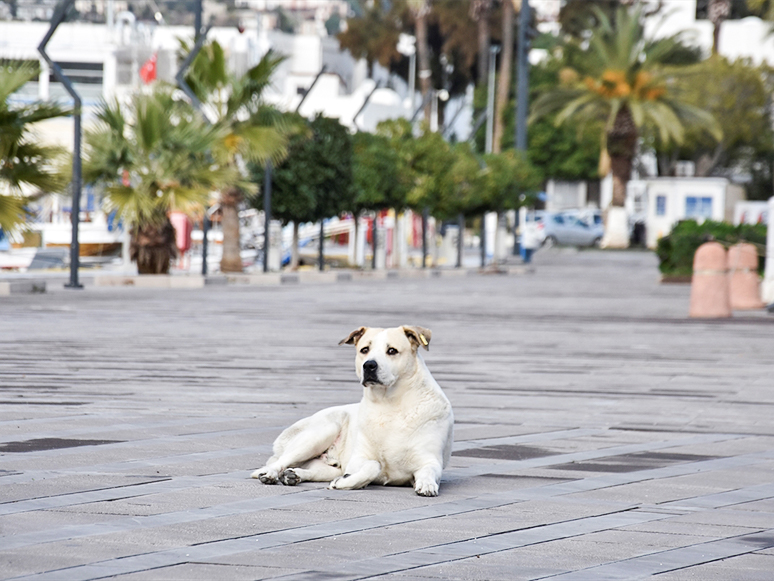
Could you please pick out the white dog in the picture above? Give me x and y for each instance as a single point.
(400, 432)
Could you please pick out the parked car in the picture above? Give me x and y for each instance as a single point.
(569, 230)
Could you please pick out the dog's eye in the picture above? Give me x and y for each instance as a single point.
(392, 351)
(364, 350)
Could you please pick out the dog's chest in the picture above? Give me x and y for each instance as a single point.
(396, 437)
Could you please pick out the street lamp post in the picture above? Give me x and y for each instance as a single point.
(407, 47)
(59, 15)
(489, 145)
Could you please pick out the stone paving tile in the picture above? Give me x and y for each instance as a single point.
(69, 484)
(729, 518)
(651, 492)
(766, 506)
(753, 567)
(677, 527)
(206, 572)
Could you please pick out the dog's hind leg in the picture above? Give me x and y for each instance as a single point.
(304, 440)
(313, 471)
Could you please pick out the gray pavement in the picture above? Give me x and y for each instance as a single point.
(600, 434)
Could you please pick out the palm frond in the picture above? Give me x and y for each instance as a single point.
(14, 75)
(13, 213)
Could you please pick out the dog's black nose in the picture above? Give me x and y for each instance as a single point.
(370, 365)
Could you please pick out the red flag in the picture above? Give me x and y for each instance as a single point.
(148, 70)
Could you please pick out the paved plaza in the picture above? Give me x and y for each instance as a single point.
(600, 433)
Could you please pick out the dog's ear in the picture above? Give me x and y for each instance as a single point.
(418, 336)
(353, 337)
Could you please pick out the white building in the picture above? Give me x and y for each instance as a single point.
(669, 200)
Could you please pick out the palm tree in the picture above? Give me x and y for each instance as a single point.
(480, 11)
(253, 130)
(624, 83)
(420, 9)
(25, 163)
(504, 85)
(153, 156)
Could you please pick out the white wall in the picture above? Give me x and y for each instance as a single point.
(675, 192)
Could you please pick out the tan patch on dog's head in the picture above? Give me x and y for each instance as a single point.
(418, 336)
(354, 336)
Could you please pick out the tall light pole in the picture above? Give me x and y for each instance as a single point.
(59, 15)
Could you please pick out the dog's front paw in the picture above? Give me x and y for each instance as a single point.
(265, 475)
(427, 488)
(289, 477)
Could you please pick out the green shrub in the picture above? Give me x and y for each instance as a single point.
(676, 250)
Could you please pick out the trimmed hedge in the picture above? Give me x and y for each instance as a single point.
(676, 250)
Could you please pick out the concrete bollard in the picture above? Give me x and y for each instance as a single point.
(709, 285)
(743, 280)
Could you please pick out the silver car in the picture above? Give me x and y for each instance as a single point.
(569, 230)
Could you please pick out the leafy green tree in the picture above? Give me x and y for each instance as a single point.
(622, 82)
(153, 156)
(315, 180)
(737, 94)
(466, 176)
(253, 130)
(25, 163)
(506, 178)
(378, 180)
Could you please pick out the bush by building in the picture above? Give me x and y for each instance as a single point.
(675, 251)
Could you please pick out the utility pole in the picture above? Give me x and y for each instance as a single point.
(522, 97)
(266, 215)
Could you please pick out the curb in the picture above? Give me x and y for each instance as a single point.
(22, 287)
(192, 281)
(150, 281)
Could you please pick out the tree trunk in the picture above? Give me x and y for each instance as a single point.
(480, 11)
(229, 209)
(718, 12)
(621, 143)
(153, 247)
(506, 64)
(420, 9)
(294, 254)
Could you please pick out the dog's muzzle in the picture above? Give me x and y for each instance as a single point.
(370, 372)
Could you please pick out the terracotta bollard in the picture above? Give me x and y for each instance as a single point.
(743, 280)
(709, 285)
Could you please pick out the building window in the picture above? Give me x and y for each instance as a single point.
(660, 205)
(698, 207)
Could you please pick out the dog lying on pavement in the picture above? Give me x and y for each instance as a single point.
(401, 431)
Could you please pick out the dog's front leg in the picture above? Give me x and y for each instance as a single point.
(358, 478)
(427, 479)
